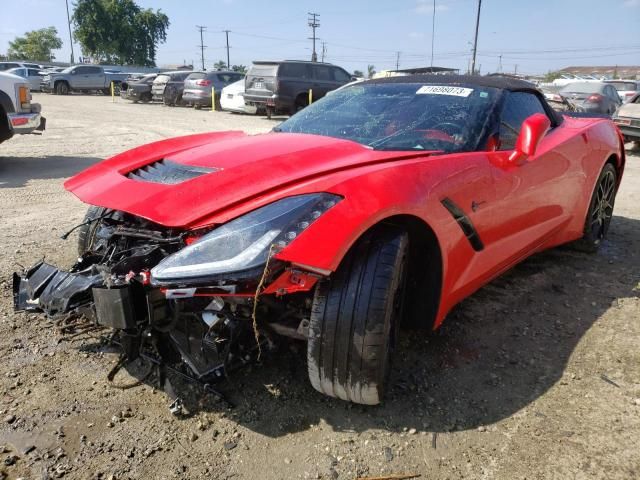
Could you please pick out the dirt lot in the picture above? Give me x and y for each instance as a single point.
(536, 376)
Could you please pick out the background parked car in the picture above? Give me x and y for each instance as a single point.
(159, 84)
(33, 76)
(81, 78)
(592, 97)
(198, 85)
(284, 86)
(139, 90)
(18, 116)
(557, 101)
(7, 65)
(627, 118)
(232, 99)
(626, 88)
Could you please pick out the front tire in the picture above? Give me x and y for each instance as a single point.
(87, 233)
(600, 210)
(62, 88)
(355, 318)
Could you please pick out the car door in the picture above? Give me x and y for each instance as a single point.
(614, 98)
(78, 77)
(34, 78)
(536, 199)
(323, 81)
(95, 78)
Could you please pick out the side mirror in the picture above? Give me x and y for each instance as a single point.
(73, 72)
(533, 130)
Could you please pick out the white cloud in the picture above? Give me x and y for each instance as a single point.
(424, 7)
(631, 3)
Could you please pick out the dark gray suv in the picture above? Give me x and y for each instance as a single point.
(283, 87)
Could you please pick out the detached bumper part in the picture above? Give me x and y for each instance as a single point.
(46, 288)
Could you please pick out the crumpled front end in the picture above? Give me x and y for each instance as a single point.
(166, 294)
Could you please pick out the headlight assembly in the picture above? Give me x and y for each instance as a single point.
(244, 243)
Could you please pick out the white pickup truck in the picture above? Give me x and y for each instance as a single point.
(17, 114)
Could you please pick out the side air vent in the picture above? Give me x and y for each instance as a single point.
(167, 172)
(465, 224)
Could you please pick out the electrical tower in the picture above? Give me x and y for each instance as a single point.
(324, 50)
(228, 61)
(314, 22)
(202, 45)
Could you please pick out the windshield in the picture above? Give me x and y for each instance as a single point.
(582, 87)
(622, 86)
(400, 116)
(67, 70)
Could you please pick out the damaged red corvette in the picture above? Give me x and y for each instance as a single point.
(385, 203)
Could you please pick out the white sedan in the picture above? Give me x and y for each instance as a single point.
(32, 75)
(232, 98)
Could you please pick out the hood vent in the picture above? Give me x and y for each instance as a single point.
(167, 172)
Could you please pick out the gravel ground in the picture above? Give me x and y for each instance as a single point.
(535, 376)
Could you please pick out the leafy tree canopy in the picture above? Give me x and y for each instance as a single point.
(358, 73)
(119, 31)
(239, 68)
(35, 45)
(220, 65)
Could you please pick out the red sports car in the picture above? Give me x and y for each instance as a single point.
(383, 204)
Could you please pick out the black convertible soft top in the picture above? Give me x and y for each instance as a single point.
(504, 83)
(493, 81)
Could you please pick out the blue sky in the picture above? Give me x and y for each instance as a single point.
(536, 36)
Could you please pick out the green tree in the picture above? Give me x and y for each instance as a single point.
(371, 71)
(239, 68)
(119, 31)
(358, 73)
(551, 76)
(35, 45)
(220, 65)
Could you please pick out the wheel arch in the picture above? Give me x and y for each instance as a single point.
(424, 284)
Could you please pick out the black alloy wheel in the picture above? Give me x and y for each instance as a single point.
(600, 210)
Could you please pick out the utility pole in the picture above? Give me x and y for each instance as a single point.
(314, 22)
(324, 50)
(475, 42)
(433, 29)
(398, 61)
(70, 37)
(500, 64)
(515, 70)
(228, 61)
(202, 45)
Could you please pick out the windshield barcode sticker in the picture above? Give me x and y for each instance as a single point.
(444, 90)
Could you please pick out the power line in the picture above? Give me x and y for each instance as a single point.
(202, 45)
(314, 23)
(228, 61)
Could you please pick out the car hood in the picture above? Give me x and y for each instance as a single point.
(188, 181)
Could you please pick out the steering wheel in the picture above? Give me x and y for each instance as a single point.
(442, 132)
(449, 128)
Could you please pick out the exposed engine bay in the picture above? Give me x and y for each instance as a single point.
(209, 323)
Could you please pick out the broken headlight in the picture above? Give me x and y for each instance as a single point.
(244, 243)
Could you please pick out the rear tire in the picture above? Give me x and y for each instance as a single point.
(600, 210)
(355, 318)
(86, 233)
